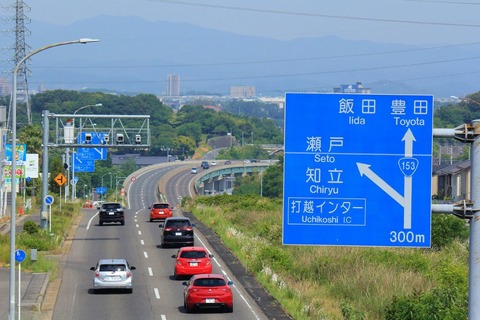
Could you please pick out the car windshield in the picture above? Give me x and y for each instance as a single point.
(160, 206)
(193, 254)
(209, 282)
(112, 267)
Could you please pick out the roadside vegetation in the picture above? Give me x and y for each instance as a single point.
(47, 242)
(348, 283)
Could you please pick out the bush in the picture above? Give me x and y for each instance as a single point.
(446, 229)
(31, 227)
(445, 303)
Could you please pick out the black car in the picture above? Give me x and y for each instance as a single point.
(177, 231)
(205, 165)
(111, 212)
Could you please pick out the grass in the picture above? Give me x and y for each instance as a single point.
(48, 247)
(326, 282)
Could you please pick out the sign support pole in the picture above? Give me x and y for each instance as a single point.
(45, 178)
(474, 250)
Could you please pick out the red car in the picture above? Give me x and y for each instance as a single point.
(208, 291)
(192, 260)
(160, 211)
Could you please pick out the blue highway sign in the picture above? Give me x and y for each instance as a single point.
(83, 165)
(92, 153)
(358, 170)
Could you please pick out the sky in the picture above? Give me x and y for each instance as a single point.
(419, 22)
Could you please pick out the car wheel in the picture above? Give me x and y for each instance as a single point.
(229, 310)
(122, 223)
(100, 223)
(129, 290)
(175, 276)
(151, 220)
(189, 310)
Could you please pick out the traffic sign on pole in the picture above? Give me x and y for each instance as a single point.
(358, 170)
(60, 179)
(20, 255)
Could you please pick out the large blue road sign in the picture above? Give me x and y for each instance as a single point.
(92, 153)
(83, 165)
(358, 170)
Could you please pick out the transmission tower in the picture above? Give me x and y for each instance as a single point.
(20, 52)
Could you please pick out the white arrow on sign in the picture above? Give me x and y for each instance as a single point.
(406, 200)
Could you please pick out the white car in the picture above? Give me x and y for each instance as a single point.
(194, 171)
(213, 163)
(112, 274)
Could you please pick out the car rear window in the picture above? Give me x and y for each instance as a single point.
(209, 282)
(112, 206)
(112, 267)
(160, 206)
(178, 223)
(193, 254)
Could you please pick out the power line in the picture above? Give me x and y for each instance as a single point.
(317, 15)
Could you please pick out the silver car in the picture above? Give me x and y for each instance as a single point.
(112, 274)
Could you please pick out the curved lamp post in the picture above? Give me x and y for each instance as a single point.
(106, 174)
(13, 167)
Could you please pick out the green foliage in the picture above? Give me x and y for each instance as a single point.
(445, 303)
(350, 313)
(41, 241)
(31, 227)
(448, 228)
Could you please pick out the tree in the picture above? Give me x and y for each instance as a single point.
(273, 181)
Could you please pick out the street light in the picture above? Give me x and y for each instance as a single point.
(14, 157)
(67, 152)
(106, 174)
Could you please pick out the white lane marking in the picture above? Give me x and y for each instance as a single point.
(139, 232)
(90, 220)
(135, 220)
(205, 246)
(157, 293)
(163, 317)
(150, 272)
(145, 254)
(226, 275)
(137, 225)
(142, 242)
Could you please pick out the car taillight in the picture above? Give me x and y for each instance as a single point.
(97, 274)
(208, 262)
(168, 229)
(129, 274)
(188, 228)
(179, 262)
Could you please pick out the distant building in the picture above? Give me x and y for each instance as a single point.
(352, 88)
(242, 92)
(173, 85)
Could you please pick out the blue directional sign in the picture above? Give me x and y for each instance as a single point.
(20, 255)
(358, 170)
(92, 153)
(83, 165)
(101, 190)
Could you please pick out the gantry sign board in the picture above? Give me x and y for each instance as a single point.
(357, 170)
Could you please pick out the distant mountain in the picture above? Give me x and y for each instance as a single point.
(135, 55)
